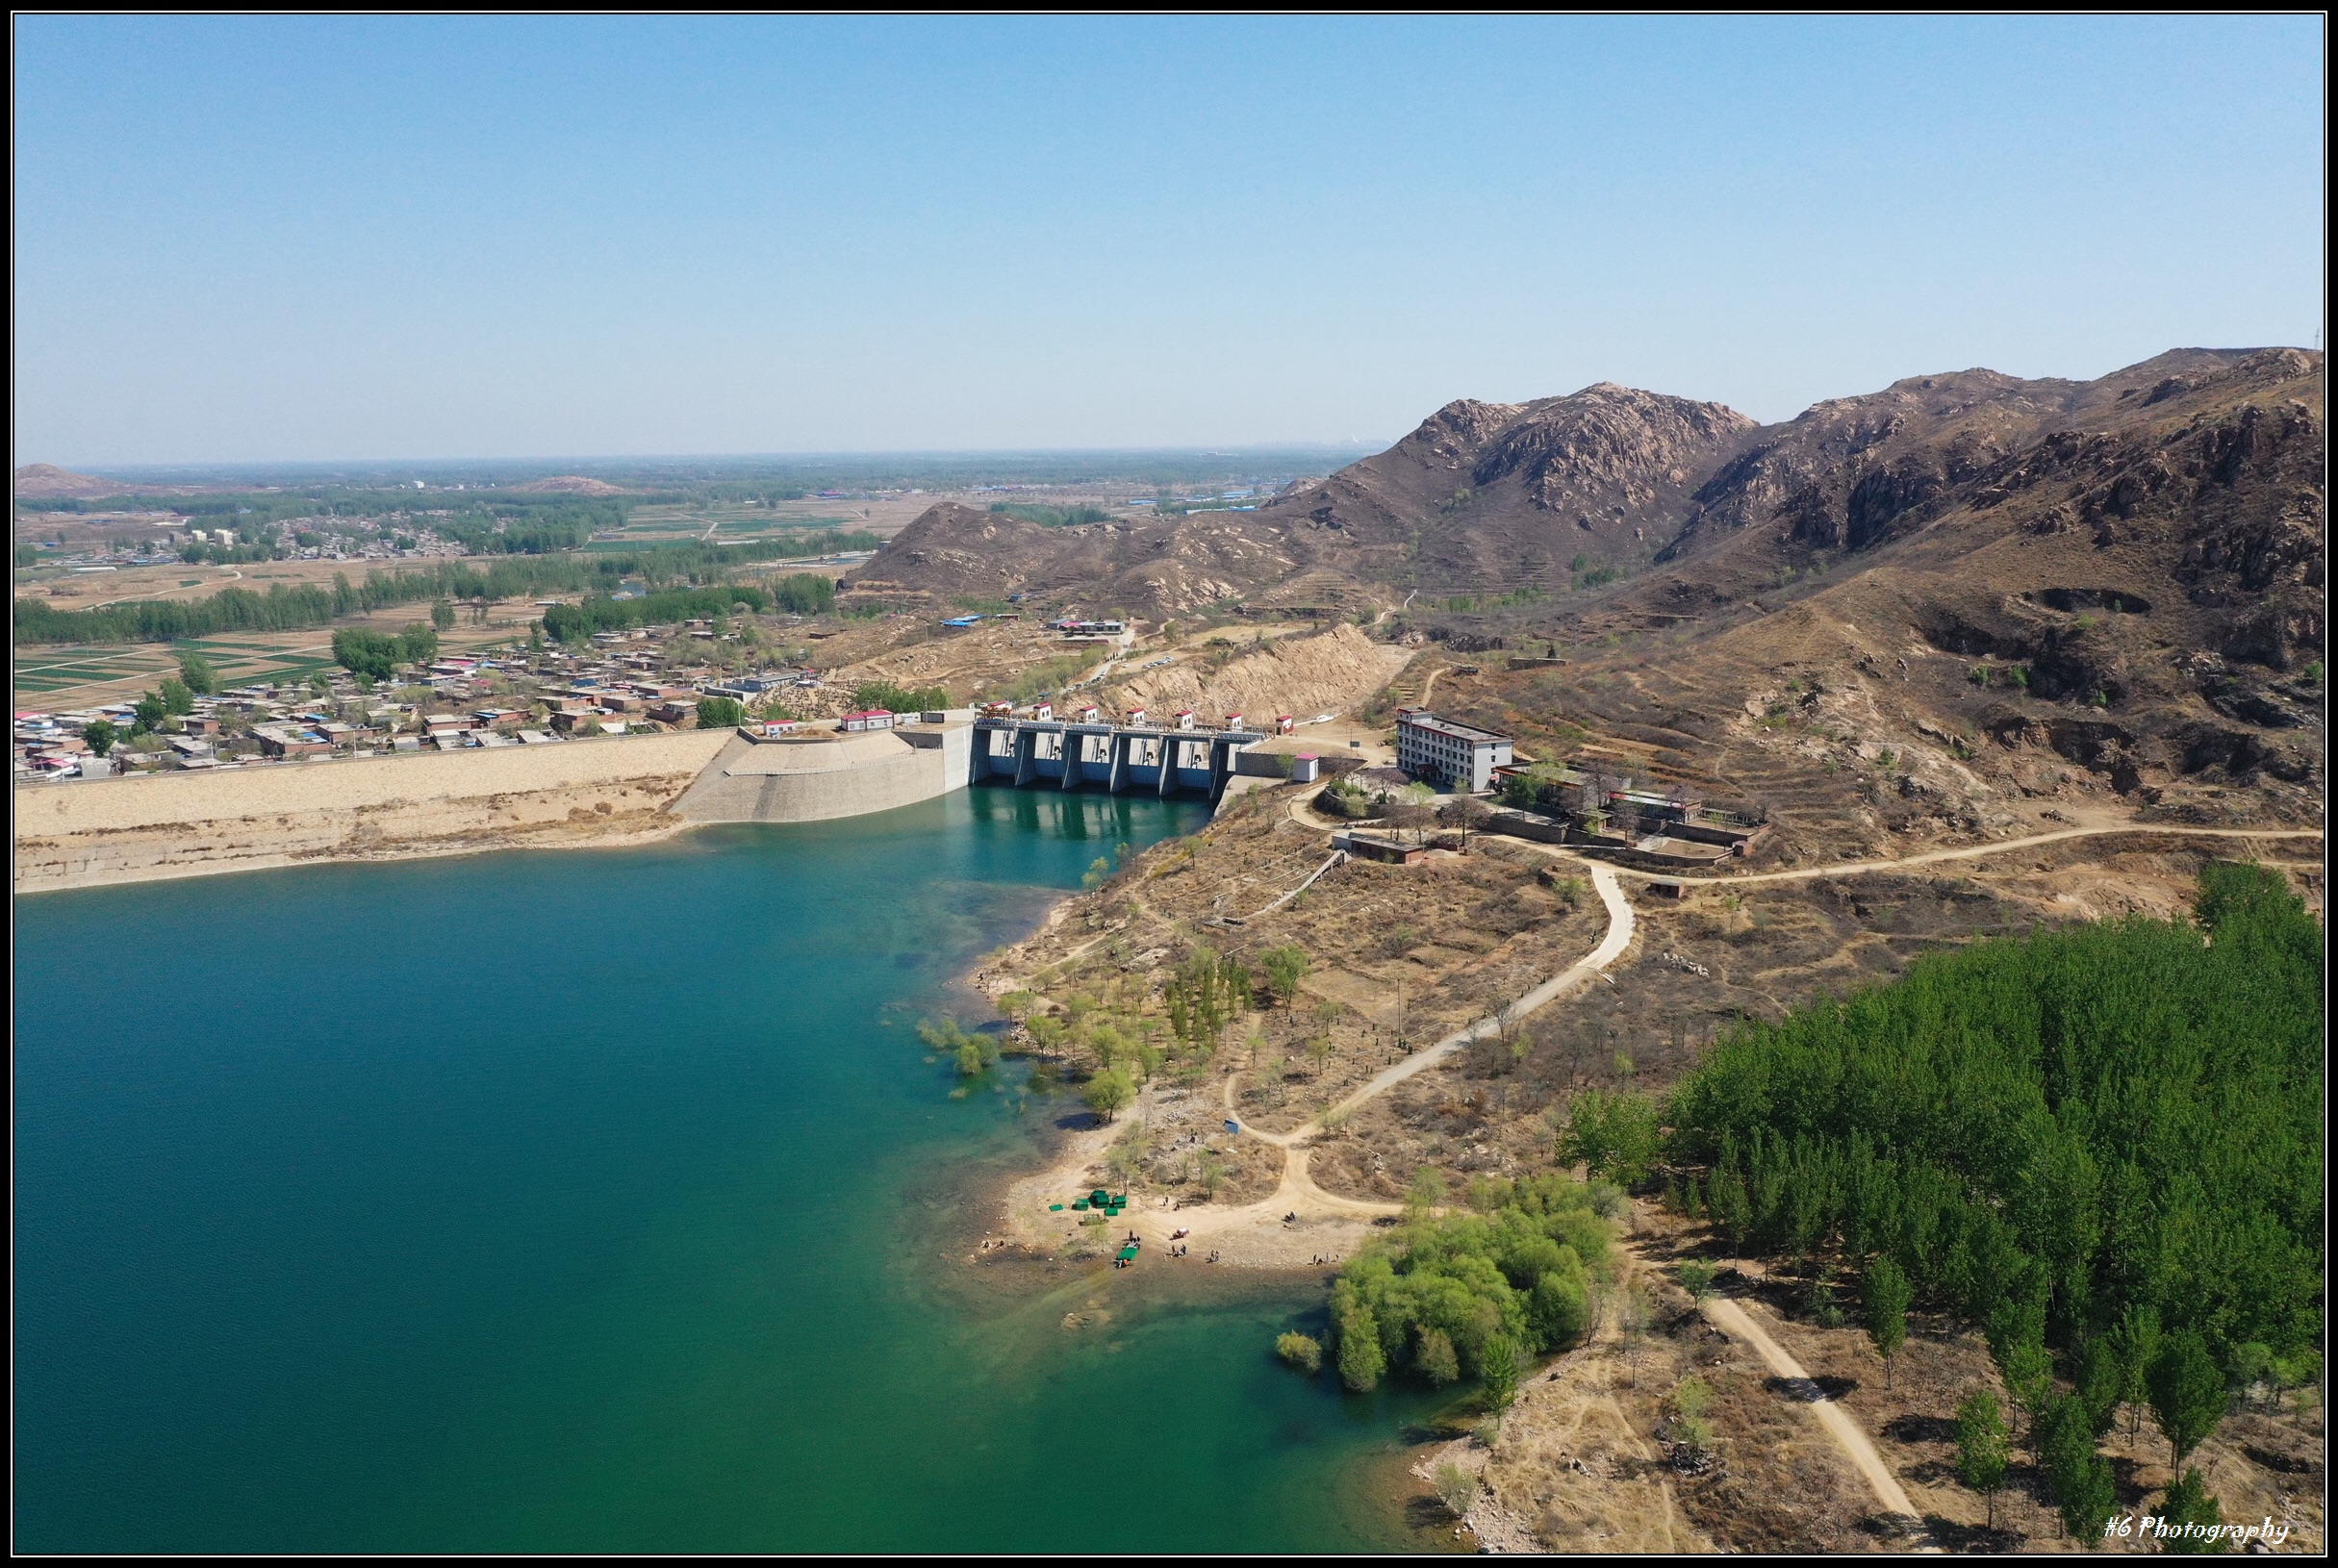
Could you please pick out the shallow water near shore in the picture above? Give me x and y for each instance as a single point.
(597, 1200)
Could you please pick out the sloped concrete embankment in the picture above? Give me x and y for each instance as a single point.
(600, 792)
(820, 777)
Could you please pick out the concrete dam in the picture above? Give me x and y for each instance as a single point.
(822, 775)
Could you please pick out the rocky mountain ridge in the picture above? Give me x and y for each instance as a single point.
(2118, 581)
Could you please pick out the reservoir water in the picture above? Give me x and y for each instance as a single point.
(597, 1200)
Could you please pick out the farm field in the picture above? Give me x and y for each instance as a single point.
(77, 677)
(735, 522)
(179, 581)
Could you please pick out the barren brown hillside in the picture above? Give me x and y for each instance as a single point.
(2131, 605)
(1169, 564)
(46, 481)
(1897, 614)
(1499, 494)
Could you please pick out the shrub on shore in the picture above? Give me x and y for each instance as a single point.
(1470, 1295)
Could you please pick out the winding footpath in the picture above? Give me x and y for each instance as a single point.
(1297, 1199)
(1299, 1224)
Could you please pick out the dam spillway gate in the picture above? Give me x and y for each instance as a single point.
(1059, 755)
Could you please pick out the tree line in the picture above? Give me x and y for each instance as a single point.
(804, 592)
(308, 605)
(2101, 1145)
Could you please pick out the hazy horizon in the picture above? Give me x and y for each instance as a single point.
(262, 240)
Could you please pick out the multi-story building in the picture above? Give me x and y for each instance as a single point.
(1439, 750)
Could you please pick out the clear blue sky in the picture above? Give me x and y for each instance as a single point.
(247, 238)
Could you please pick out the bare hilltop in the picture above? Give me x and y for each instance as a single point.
(2123, 575)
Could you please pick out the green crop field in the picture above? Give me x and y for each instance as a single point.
(237, 661)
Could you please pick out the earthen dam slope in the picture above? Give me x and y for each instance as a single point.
(600, 792)
(597, 791)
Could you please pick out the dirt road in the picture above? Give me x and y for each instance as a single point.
(1300, 1223)
(1852, 868)
(1735, 1321)
(1622, 926)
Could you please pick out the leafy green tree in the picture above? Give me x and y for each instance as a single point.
(418, 644)
(1612, 1135)
(1499, 1368)
(1046, 1032)
(1433, 1358)
(2134, 1344)
(1697, 1278)
(1732, 1210)
(1319, 1050)
(367, 654)
(443, 615)
(1211, 1172)
(2187, 1391)
(1362, 1359)
(720, 713)
(1558, 1308)
(878, 694)
(150, 715)
(2078, 1477)
(100, 736)
(2252, 1365)
(1887, 1294)
(1981, 1450)
(2188, 1515)
(2101, 1384)
(1301, 1352)
(198, 674)
(1456, 1488)
(1519, 1273)
(1108, 1093)
(2028, 1372)
(1285, 966)
(972, 1053)
(1426, 1191)
(176, 697)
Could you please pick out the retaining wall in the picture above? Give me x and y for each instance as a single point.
(193, 823)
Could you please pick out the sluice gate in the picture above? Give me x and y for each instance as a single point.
(1059, 754)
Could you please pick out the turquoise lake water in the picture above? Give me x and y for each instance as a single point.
(597, 1200)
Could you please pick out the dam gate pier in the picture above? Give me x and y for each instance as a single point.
(1067, 755)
